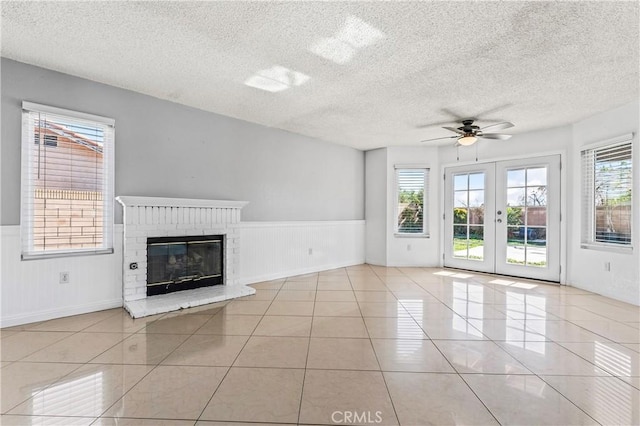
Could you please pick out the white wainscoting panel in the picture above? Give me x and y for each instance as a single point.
(273, 250)
(30, 290)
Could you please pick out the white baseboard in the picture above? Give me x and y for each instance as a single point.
(10, 321)
(300, 271)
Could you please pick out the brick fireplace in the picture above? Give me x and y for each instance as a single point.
(152, 217)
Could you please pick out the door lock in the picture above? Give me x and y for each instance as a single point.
(499, 212)
(499, 220)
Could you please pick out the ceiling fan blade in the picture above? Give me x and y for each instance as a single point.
(498, 126)
(499, 136)
(439, 139)
(453, 129)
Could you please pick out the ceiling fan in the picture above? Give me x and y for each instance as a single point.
(468, 134)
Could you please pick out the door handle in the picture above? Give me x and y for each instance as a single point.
(499, 220)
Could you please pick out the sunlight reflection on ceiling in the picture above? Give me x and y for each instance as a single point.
(355, 34)
(276, 79)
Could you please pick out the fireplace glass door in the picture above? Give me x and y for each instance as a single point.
(183, 263)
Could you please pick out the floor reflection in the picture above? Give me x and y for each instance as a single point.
(83, 393)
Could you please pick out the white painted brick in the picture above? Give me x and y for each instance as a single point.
(163, 215)
(128, 216)
(129, 258)
(185, 226)
(214, 231)
(144, 222)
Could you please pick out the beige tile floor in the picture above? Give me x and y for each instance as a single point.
(357, 345)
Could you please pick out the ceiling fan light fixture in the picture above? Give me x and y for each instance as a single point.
(467, 140)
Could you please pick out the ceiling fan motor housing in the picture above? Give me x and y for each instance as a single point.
(468, 127)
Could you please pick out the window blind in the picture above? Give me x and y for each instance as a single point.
(412, 190)
(607, 186)
(67, 182)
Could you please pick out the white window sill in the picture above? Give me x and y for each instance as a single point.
(51, 255)
(402, 235)
(612, 248)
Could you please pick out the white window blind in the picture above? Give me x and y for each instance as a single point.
(607, 186)
(412, 190)
(67, 182)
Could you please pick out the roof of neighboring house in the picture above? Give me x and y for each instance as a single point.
(72, 136)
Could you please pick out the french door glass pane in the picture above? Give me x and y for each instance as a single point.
(515, 178)
(460, 183)
(537, 196)
(516, 197)
(460, 241)
(476, 215)
(476, 198)
(476, 180)
(515, 215)
(460, 198)
(536, 247)
(476, 242)
(460, 215)
(468, 216)
(537, 176)
(527, 216)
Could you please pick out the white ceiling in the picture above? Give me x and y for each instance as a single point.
(361, 74)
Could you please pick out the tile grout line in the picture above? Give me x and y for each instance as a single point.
(313, 316)
(306, 361)
(61, 378)
(204, 408)
(384, 379)
(154, 366)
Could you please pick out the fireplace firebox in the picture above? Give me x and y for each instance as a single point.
(184, 263)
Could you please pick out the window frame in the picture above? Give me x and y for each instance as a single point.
(587, 201)
(28, 187)
(425, 202)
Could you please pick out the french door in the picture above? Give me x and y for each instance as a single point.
(504, 218)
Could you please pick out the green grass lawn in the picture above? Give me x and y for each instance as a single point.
(461, 243)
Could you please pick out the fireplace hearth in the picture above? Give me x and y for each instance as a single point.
(184, 263)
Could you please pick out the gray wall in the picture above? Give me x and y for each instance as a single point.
(376, 206)
(169, 150)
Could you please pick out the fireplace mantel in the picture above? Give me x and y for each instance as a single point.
(131, 201)
(149, 217)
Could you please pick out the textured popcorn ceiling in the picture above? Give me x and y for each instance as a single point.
(355, 73)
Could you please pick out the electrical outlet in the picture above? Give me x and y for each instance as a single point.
(310, 251)
(64, 277)
(607, 266)
(408, 247)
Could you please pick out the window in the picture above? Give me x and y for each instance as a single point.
(47, 140)
(607, 193)
(412, 188)
(67, 182)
